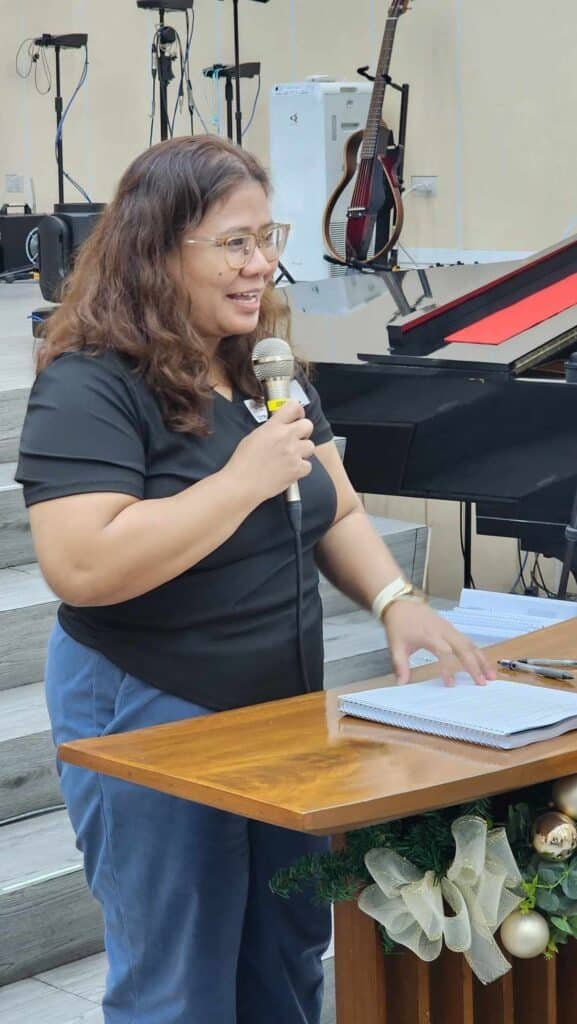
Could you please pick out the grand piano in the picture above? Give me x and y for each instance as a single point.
(491, 424)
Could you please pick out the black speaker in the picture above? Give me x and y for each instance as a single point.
(60, 235)
(18, 243)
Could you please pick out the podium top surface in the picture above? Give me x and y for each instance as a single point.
(299, 763)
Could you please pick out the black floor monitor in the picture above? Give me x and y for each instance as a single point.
(60, 235)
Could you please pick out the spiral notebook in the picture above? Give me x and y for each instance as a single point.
(501, 714)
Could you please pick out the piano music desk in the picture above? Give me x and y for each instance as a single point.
(300, 764)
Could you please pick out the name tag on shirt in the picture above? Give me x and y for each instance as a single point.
(259, 411)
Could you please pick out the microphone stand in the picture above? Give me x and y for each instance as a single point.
(164, 77)
(231, 72)
(238, 111)
(236, 69)
(571, 528)
(71, 41)
(164, 37)
(570, 541)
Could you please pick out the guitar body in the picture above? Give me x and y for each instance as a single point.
(377, 191)
(376, 195)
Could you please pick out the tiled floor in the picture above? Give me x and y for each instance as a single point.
(72, 994)
(66, 995)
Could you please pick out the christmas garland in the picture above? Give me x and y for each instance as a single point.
(539, 825)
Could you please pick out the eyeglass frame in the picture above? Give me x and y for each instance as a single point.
(221, 243)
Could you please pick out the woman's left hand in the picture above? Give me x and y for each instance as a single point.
(410, 625)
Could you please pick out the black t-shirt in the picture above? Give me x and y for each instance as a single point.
(224, 633)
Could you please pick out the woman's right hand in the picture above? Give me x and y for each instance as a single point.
(276, 455)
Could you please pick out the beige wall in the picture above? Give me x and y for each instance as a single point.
(494, 90)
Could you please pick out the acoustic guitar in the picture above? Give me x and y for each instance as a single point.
(376, 187)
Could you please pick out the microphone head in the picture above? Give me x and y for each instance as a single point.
(272, 358)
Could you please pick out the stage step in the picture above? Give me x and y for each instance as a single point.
(27, 605)
(47, 915)
(407, 542)
(16, 377)
(28, 776)
(355, 648)
(16, 546)
(27, 613)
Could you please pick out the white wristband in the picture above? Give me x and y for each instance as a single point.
(398, 588)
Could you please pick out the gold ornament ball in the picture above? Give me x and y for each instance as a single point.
(554, 836)
(565, 795)
(525, 935)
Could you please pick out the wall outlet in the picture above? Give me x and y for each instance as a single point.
(424, 185)
(14, 182)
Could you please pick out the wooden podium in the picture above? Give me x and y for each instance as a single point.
(300, 764)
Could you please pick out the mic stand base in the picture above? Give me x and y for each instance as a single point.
(284, 273)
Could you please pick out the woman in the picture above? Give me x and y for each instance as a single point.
(157, 511)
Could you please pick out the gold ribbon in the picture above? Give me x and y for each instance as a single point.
(477, 888)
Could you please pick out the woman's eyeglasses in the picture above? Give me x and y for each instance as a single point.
(239, 249)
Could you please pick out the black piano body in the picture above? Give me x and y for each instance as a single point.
(493, 425)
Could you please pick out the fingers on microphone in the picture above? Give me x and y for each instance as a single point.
(290, 411)
(305, 429)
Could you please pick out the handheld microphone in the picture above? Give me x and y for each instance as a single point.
(273, 364)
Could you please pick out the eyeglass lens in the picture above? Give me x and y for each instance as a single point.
(271, 243)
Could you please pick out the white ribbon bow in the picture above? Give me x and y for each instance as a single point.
(409, 904)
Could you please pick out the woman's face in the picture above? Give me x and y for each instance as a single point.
(226, 301)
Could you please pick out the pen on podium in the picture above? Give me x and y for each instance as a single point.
(535, 670)
(550, 662)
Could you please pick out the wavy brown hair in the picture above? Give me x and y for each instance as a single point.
(121, 296)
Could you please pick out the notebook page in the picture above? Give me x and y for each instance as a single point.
(517, 604)
(500, 708)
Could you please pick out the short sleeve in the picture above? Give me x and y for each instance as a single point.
(83, 431)
(322, 431)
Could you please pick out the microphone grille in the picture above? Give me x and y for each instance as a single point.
(272, 358)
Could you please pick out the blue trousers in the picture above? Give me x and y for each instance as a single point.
(193, 934)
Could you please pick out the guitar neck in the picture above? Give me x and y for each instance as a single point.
(375, 114)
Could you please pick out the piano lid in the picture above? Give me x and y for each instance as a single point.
(420, 337)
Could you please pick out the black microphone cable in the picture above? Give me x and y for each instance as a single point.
(294, 514)
(273, 364)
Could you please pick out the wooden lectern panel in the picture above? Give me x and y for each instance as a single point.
(408, 989)
(451, 973)
(535, 991)
(359, 952)
(494, 1002)
(373, 988)
(566, 980)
